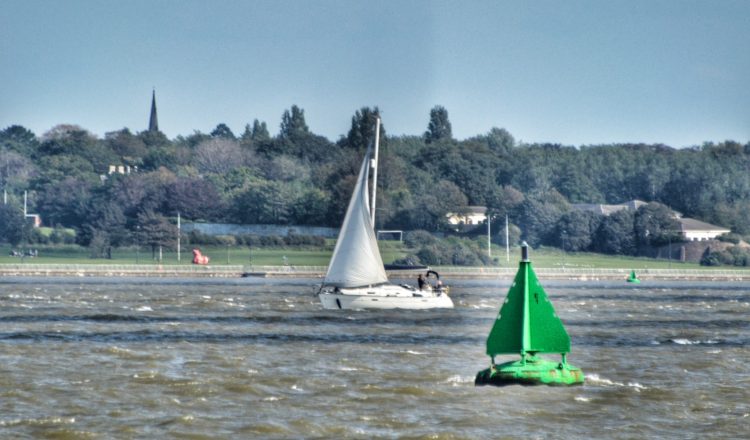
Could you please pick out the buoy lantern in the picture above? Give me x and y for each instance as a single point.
(527, 325)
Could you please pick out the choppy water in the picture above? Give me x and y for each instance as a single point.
(82, 358)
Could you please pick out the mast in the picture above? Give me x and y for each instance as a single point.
(375, 168)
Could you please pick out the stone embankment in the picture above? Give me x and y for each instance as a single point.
(227, 271)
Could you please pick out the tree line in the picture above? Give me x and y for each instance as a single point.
(298, 177)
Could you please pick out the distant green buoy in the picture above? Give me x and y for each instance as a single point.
(527, 325)
(632, 278)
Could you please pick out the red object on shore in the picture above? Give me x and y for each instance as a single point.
(199, 258)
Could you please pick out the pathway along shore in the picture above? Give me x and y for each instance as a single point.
(448, 272)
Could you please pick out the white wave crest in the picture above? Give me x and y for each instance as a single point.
(595, 379)
(685, 341)
(457, 380)
(415, 353)
(39, 422)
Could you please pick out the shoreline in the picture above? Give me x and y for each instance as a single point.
(449, 272)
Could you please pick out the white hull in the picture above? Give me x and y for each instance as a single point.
(387, 296)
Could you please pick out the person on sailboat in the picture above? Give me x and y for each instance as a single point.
(421, 281)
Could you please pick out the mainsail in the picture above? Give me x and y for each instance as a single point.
(356, 260)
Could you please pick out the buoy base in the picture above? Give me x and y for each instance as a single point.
(534, 371)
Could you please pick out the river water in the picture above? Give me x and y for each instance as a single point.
(259, 358)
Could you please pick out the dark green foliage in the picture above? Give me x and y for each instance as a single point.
(299, 177)
(361, 135)
(537, 216)
(730, 238)
(60, 235)
(293, 125)
(439, 127)
(156, 231)
(158, 157)
(418, 238)
(65, 201)
(615, 234)
(223, 131)
(19, 139)
(252, 240)
(129, 147)
(105, 224)
(194, 199)
(260, 132)
(731, 256)
(655, 225)
(576, 230)
(451, 251)
(13, 227)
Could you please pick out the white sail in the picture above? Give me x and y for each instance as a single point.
(356, 259)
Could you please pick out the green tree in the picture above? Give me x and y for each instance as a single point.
(260, 132)
(576, 230)
(615, 234)
(154, 139)
(538, 216)
(65, 202)
(499, 140)
(193, 198)
(439, 127)
(104, 227)
(293, 124)
(53, 169)
(128, 146)
(223, 131)
(655, 224)
(156, 231)
(362, 131)
(13, 227)
(19, 139)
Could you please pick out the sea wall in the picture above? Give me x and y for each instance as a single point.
(266, 230)
(452, 272)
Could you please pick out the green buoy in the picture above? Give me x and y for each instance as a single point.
(527, 325)
(632, 278)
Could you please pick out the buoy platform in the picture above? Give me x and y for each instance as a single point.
(534, 371)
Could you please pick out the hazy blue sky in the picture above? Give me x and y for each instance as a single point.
(573, 72)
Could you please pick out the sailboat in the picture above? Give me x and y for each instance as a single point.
(356, 277)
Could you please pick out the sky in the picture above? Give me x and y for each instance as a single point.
(573, 72)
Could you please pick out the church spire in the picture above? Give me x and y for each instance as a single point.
(153, 124)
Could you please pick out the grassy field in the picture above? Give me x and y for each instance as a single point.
(243, 255)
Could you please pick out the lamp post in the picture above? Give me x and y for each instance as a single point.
(137, 244)
(489, 238)
(669, 249)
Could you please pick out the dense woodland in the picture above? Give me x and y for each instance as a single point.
(299, 177)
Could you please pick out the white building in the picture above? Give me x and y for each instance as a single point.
(696, 230)
(472, 215)
(690, 229)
